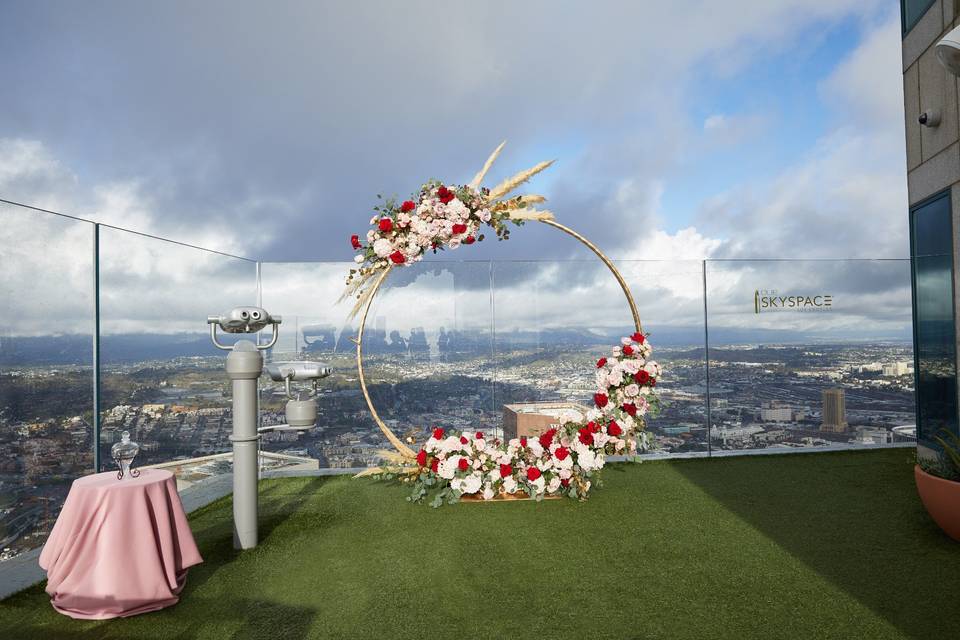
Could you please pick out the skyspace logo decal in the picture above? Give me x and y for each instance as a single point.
(771, 300)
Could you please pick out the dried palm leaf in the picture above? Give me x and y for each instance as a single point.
(510, 184)
(477, 179)
(530, 214)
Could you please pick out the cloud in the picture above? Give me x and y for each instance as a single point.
(274, 146)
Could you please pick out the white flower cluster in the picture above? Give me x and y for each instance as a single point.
(625, 383)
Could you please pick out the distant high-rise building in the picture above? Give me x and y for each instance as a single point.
(834, 411)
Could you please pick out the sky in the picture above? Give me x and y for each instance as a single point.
(682, 131)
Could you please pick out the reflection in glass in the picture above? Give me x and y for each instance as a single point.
(934, 327)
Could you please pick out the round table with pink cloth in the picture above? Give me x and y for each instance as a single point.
(120, 546)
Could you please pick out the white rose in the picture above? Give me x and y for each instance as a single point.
(383, 247)
(488, 493)
(587, 459)
(448, 468)
(510, 485)
(358, 259)
(554, 484)
(472, 483)
(632, 390)
(625, 341)
(451, 444)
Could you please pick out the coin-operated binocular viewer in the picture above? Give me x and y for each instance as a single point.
(301, 409)
(244, 366)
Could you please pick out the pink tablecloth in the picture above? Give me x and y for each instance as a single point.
(119, 547)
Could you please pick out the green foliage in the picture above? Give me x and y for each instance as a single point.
(946, 463)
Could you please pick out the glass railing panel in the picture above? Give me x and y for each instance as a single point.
(810, 354)
(427, 356)
(669, 296)
(162, 379)
(46, 374)
(315, 327)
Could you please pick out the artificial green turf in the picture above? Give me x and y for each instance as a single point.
(832, 545)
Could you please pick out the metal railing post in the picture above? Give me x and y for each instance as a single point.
(706, 361)
(96, 348)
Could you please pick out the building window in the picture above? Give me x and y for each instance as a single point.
(931, 250)
(911, 11)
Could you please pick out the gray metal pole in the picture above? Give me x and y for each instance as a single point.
(244, 366)
(706, 360)
(96, 348)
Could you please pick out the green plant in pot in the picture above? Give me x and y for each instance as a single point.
(938, 481)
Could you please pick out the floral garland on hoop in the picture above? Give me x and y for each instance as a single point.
(565, 459)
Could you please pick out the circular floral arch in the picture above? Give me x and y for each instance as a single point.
(450, 465)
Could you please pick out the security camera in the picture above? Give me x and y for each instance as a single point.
(243, 320)
(948, 51)
(930, 118)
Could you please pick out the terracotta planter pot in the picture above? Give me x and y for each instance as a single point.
(941, 499)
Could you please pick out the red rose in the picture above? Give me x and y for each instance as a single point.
(355, 241)
(565, 482)
(469, 240)
(463, 440)
(601, 362)
(479, 435)
(630, 408)
(435, 464)
(593, 427)
(445, 195)
(627, 350)
(614, 429)
(533, 473)
(585, 436)
(385, 224)
(438, 433)
(459, 228)
(505, 470)
(653, 382)
(422, 458)
(561, 453)
(397, 258)
(463, 465)
(642, 377)
(408, 206)
(638, 337)
(600, 399)
(546, 438)
(523, 441)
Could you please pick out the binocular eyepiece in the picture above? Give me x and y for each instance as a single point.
(243, 320)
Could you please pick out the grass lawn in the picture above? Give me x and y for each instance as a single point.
(832, 545)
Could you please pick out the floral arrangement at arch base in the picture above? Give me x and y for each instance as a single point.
(563, 461)
(566, 459)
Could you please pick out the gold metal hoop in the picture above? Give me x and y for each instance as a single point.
(390, 435)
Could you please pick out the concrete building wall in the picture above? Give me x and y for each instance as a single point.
(933, 153)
